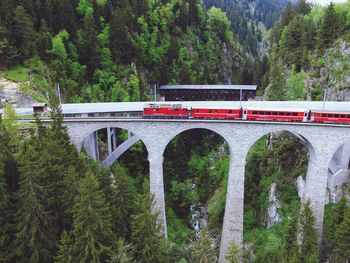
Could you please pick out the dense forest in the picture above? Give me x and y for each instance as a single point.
(113, 50)
(60, 206)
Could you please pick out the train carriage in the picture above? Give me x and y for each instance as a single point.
(275, 115)
(329, 117)
(216, 113)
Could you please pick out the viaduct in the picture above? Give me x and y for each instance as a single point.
(328, 155)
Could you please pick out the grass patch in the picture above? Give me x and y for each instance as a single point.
(36, 95)
(18, 73)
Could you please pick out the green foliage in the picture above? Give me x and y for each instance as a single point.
(342, 235)
(308, 235)
(121, 204)
(92, 222)
(296, 86)
(146, 236)
(64, 250)
(178, 231)
(124, 253)
(202, 250)
(34, 236)
(233, 254)
(58, 47)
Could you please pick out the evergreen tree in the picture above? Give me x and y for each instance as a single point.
(308, 235)
(34, 237)
(276, 91)
(23, 32)
(288, 14)
(145, 230)
(4, 198)
(64, 250)
(10, 143)
(92, 223)
(124, 253)
(329, 27)
(302, 7)
(291, 246)
(342, 235)
(202, 250)
(233, 254)
(88, 44)
(122, 205)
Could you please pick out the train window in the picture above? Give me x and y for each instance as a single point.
(336, 115)
(262, 113)
(274, 113)
(254, 112)
(155, 109)
(230, 111)
(324, 115)
(342, 116)
(295, 114)
(288, 113)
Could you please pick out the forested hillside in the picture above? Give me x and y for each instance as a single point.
(57, 205)
(250, 18)
(310, 53)
(113, 50)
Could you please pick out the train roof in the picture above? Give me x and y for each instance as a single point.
(80, 108)
(275, 109)
(217, 107)
(331, 111)
(208, 87)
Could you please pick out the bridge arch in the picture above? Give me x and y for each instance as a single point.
(338, 171)
(181, 145)
(115, 147)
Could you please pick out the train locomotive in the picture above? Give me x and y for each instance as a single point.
(178, 111)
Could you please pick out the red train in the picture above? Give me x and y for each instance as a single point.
(177, 111)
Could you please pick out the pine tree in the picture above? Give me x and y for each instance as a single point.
(308, 235)
(329, 27)
(202, 250)
(302, 7)
(92, 223)
(276, 91)
(145, 230)
(288, 14)
(64, 250)
(3, 202)
(342, 235)
(34, 237)
(124, 253)
(23, 32)
(234, 253)
(121, 205)
(290, 240)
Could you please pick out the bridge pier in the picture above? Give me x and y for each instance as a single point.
(157, 189)
(232, 230)
(91, 146)
(317, 180)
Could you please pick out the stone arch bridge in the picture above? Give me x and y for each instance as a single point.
(328, 153)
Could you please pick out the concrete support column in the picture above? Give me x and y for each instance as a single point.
(109, 140)
(157, 188)
(233, 219)
(114, 141)
(316, 191)
(345, 158)
(91, 146)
